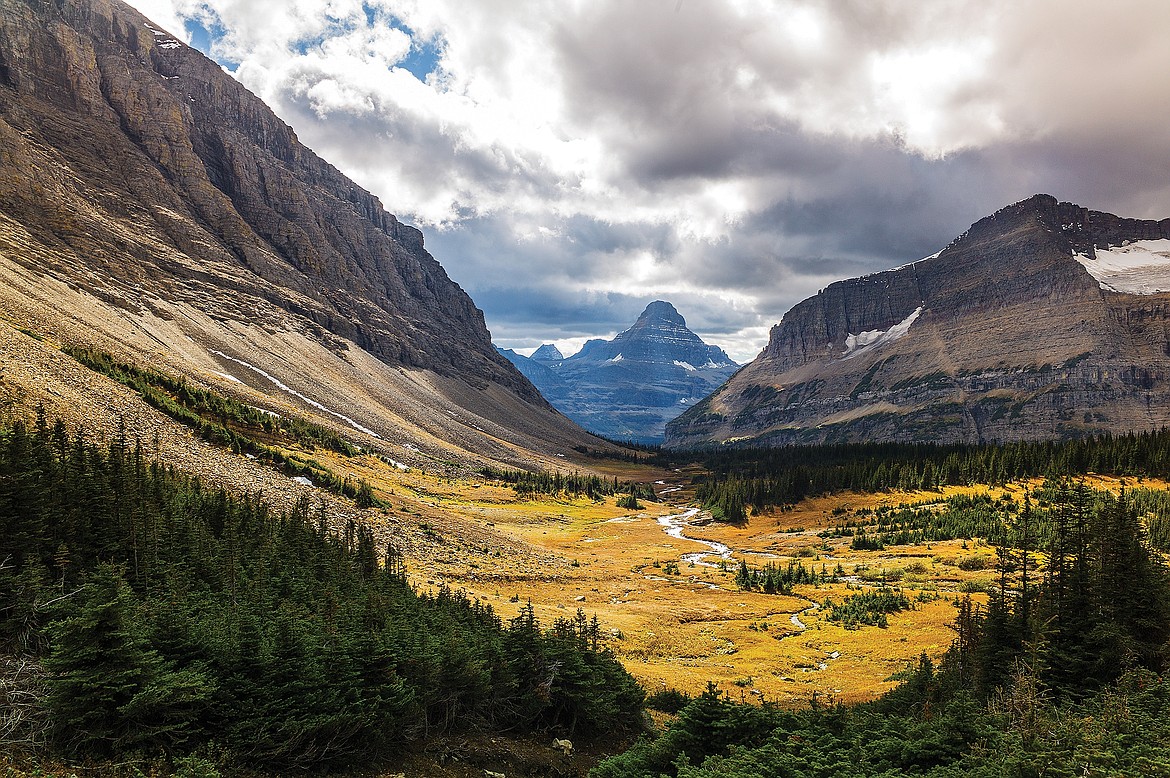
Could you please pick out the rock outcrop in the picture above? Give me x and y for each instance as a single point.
(629, 387)
(162, 209)
(1021, 328)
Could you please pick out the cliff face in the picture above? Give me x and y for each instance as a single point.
(629, 387)
(165, 144)
(1013, 331)
(135, 173)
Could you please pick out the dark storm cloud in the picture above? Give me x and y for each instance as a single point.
(575, 314)
(607, 237)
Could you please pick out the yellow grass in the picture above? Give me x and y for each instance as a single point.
(682, 630)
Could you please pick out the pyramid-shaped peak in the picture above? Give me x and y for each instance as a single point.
(660, 309)
(548, 352)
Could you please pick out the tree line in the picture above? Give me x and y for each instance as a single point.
(763, 479)
(575, 484)
(245, 429)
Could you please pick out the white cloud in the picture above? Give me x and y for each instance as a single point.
(736, 154)
(163, 13)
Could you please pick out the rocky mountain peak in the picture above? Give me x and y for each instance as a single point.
(660, 310)
(659, 336)
(628, 387)
(1078, 229)
(547, 352)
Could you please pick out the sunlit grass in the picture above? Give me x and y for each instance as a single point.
(679, 625)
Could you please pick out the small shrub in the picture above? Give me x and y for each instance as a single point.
(972, 563)
(629, 502)
(195, 767)
(668, 701)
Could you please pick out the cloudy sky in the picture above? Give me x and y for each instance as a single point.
(571, 161)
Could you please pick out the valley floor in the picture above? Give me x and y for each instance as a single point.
(661, 581)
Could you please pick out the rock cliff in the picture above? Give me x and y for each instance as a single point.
(150, 203)
(547, 353)
(1026, 326)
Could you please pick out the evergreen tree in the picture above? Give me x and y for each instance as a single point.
(109, 692)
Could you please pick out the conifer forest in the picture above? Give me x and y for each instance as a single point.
(145, 612)
(169, 617)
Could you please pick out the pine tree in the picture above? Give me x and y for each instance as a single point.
(109, 692)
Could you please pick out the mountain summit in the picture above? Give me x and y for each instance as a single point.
(1044, 320)
(629, 387)
(659, 337)
(547, 353)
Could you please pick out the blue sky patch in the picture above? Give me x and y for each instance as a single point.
(423, 58)
(424, 55)
(203, 39)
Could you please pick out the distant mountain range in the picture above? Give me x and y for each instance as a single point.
(1045, 320)
(629, 387)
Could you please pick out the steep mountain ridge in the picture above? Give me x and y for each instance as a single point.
(1002, 335)
(151, 205)
(628, 387)
(659, 336)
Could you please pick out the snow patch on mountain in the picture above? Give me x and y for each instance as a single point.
(685, 365)
(289, 390)
(935, 255)
(871, 339)
(1140, 267)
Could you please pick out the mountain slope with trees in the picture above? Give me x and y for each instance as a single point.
(174, 619)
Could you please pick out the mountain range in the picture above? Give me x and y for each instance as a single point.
(627, 388)
(1045, 320)
(152, 207)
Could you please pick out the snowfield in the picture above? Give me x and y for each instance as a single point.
(1140, 267)
(871, 339)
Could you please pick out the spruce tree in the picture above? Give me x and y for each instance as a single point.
(108, 691)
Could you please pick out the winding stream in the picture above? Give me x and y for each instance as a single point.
(674, 525)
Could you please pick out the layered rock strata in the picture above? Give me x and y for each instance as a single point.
(152, 205)
(1016, 330)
